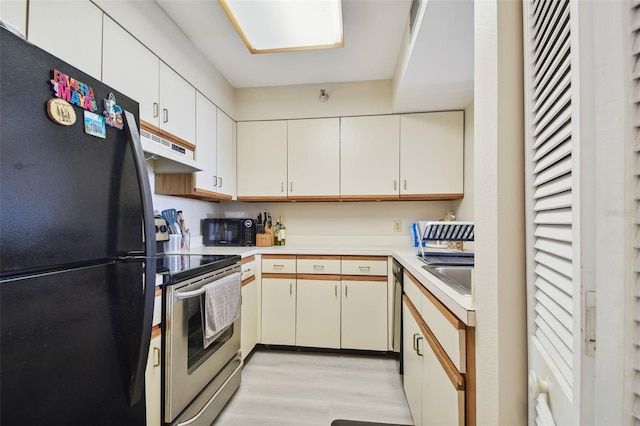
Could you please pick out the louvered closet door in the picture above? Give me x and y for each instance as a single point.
(553, 252)
(635, 61)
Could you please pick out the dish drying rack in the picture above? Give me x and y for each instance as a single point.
(446, 231)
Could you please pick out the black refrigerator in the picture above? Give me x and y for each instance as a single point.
(77, 245)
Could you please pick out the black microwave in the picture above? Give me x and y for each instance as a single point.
(229, 232)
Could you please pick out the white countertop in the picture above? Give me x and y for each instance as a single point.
(461, 305)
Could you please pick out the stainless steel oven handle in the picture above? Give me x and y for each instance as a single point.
(190, 294)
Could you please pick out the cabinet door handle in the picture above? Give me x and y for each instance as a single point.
(281, 186)
(345, 290)
(405, 184)
(215, 181)
(395, 184)
(336, 290)
(165, 115)
(156, 109)
(290, 288)
(415, 343)
(278, 266)
(291, 187)
(156, 356)
(418, 346)
(365, 268)
(318, 267)
(219, 182)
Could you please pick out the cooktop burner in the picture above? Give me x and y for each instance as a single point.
(179, 267)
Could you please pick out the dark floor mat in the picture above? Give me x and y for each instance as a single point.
(340, 422)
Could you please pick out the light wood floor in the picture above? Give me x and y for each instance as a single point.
(300, 389)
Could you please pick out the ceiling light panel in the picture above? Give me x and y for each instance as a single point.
(285, 25)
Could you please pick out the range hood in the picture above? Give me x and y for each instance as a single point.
(169, 157)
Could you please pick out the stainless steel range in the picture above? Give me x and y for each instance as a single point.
(198, 381)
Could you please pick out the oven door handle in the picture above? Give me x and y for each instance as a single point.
(190, 294)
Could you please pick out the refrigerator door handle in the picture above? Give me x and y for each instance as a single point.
(136, 385)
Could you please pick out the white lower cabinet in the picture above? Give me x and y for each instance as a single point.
(318, 313)
(412, 364)
(153, 378)
(249, 316)
(364, 314)
(279, 311)
(435, 387)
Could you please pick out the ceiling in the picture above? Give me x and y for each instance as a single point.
(438, 74)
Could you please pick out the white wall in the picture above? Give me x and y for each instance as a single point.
(501, 355)
(301, 101)
(345, 223)
(15, 13)
(464, 208)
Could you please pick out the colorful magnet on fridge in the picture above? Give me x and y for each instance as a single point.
(113, 112)
(94, 125)
(61, 112)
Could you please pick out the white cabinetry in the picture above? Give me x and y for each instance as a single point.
(15, 12)
(369, 157)
(438, 355)
(364, 313)
(262, 160)
(249, 309)
(225, 154)
(167, 101)
(139, 82)
(206, 141)
(153, 372)
(279, 311)
(70, 31)
(318, 312)
(431, 154)
(313, 152)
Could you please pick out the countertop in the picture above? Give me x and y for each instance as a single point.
(461, 305)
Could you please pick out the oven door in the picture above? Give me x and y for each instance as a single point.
(189, 367)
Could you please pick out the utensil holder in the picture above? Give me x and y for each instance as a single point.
(265, 239)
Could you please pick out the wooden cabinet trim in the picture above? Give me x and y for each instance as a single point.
(166, 135)
(363, 278)
(249, 280)
(158, 291)
(278, 256)
(313, 198)
(357, 257)
(470, 377)
(156, 331)
(454, 320)
(430, 197)
(318, 256)
(183, 185)
(319, 277)
(271, 275)
(456, 378)
(211, 195)
(258, 198)
(247, 259)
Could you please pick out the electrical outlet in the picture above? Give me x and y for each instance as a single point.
(397, 226)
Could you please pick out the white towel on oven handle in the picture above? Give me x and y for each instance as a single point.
(220, 306)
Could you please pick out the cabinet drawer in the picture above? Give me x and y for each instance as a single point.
(364, 265)
(278, 265)
(318, 265)
(447, 329)
(411, 288)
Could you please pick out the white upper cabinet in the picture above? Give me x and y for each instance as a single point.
(167, 101)
(432, 154)
(139, 82)
(15, 13)
(314, 158)
(225, 158)
(70, 31)
(369, 156)
(206, 141)
(177, 105)
(262, 160)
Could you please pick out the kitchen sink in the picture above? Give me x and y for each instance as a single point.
(457, 277)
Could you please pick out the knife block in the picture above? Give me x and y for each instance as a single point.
(266, 239)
